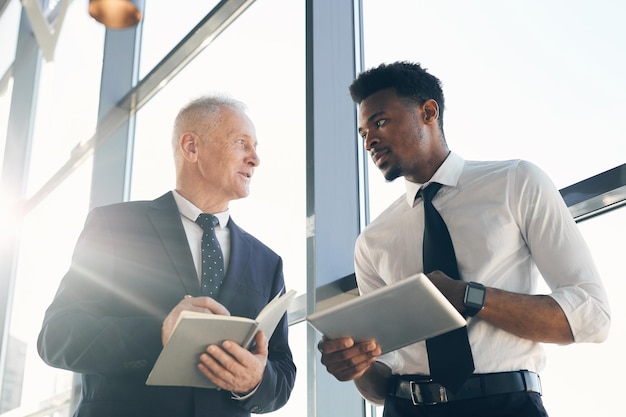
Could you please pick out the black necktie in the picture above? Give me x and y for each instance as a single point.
(212, 259)
(449, 355)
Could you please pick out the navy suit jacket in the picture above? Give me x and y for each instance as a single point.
(132, 264)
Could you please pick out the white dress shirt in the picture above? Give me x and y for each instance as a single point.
(511, 229)
(189, 213)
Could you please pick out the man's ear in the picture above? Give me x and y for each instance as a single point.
(188, 143)
(431, 111)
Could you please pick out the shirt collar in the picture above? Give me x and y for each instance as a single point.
(190, 211)
(447, 174)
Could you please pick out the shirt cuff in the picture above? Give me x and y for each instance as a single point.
(240, 397)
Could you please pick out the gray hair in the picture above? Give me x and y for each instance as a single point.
(201, 115)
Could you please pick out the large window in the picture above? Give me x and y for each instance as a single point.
(522, 79)
(179, 20)
(48, 235)
(525, 79)
(67, 110)
(65, 115)
(5, 106)
(9, 23)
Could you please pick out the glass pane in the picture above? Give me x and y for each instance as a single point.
(276, 102)
(297, 404)
(49, 234)
(9, 26)
(67, 105)
(179, 18)
(5, 109)
(536, 80)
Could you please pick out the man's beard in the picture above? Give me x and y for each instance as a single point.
(393, 173)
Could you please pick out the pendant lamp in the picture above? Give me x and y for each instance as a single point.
(116, 14)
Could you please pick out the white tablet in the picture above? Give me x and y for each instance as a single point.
(395, 316)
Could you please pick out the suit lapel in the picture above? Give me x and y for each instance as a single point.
(240, 252)
(166, 220)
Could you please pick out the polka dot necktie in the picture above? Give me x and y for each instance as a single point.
(449, 355)
(212, 259)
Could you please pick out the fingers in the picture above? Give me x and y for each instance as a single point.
(204, 304)
(452, 289)
(190, 303)
(260, 345)
(347, 360)
(234, 368)
(334, 345)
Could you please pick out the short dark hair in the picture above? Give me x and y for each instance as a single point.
(409, 79)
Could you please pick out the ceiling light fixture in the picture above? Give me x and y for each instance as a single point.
(116, 14)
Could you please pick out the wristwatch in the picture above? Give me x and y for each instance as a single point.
(474, 298)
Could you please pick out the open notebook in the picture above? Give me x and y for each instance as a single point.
(194, 331)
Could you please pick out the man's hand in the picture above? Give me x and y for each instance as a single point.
(201, 304)
(233, 368)
(452, 289)
(347, 360)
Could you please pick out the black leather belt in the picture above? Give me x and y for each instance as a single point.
(424, 391)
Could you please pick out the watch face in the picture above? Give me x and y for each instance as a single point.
(475, 296)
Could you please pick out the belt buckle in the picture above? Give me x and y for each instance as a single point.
(417, 396)
(532, 382)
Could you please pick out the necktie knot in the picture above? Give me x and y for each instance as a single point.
(427, 193)
(207, 221)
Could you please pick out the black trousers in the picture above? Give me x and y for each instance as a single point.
(518, 404)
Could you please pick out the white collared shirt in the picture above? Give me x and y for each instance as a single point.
(512, 230)
(189, 213)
